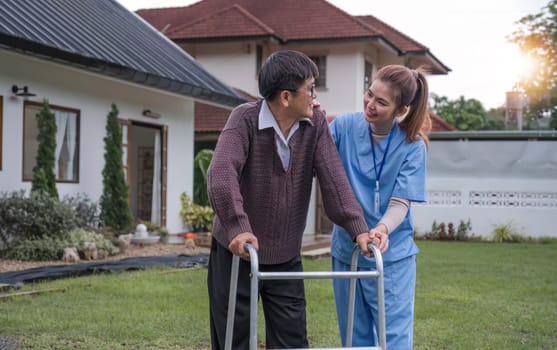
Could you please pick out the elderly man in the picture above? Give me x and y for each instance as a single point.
(259, 184)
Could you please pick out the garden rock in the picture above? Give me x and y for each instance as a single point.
(70, 255)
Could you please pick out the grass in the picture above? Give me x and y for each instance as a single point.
(486, 296)
(468, 296)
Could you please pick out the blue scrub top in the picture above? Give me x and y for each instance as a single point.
(403, 176)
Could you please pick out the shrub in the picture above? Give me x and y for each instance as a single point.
(34, 217)
(463, 229)
(451, 236)
(44, 179)
(546, 240)
(442, 231)
(52, 248)
(200, 165)
(445, 232)
(115, 210)
(434, 233)
(85, 209)
(37, 249)
(77, 238)
(506, 232)
(198, 216)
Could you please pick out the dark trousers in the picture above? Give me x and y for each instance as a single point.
(284, 303)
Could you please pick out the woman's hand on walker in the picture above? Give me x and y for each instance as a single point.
(380, 237)
(375, 236)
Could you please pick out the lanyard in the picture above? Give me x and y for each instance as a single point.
(378, 173)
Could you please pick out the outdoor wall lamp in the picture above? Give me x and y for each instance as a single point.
(149, 113)
(22, 91)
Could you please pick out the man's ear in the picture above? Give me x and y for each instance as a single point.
(284, 98)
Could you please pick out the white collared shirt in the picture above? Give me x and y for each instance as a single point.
(267, 120)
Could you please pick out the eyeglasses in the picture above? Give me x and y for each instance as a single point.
(309, 91)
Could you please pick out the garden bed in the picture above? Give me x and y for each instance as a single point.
(134, 250)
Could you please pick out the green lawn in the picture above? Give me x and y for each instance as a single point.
(469, 296)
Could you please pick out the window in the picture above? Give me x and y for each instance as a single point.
(321, 62)
(368, 69)
(66, 164)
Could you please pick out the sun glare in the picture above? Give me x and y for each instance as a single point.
(525, 64)
(515, 66)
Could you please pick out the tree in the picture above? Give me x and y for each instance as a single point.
(495, 119)
(115, 210)
(464, 114)
(536, 36)
(44, 179)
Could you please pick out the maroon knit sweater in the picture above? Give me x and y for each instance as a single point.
(250, 191)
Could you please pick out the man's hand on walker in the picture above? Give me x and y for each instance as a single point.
(236, 245)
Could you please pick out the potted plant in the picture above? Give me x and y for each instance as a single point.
(199, 217)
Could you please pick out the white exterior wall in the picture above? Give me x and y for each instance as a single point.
(344, 92)
(491, 183)
(93, 95)
(233, 64)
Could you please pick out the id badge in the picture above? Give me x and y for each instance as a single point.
(377, 201)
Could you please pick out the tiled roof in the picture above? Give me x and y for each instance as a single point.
(285, 21)
(211, 118)
(287, 18)
(440, 124)
(233, 21)
(401, 41)
(103, 37)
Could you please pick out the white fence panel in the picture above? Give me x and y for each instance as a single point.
(492, 178)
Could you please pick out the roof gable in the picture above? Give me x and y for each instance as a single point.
(233, 21)
(103, 37)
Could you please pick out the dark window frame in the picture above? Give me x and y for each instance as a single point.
(77, 140)
(321, 63)
(368, 71)
(258, 59)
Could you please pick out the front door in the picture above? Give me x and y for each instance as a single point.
(144, 148)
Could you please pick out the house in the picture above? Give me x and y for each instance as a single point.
(83, 56)
(231, 39)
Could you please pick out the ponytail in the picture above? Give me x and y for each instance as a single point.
(417, 121)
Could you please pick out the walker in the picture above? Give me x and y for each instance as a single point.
(353, 274)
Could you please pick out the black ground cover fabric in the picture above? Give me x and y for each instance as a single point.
(18, 278)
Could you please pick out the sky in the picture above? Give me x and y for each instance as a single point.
(470, 37)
